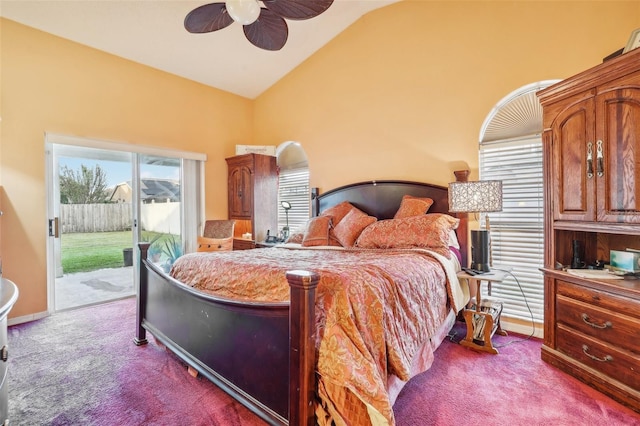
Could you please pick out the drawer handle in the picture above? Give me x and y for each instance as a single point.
(586, 320)
(4, 353)
(585, 350)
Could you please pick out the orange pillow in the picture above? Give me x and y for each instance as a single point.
(317, 232)
(349, 228)
(413, 206)
(339, 211)
(431, 231)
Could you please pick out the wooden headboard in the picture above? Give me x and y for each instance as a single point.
(382, 199)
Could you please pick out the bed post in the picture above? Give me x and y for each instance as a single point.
(302, 352)
(141, 290)
(463, 228)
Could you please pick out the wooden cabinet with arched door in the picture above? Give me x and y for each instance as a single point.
(253, 197)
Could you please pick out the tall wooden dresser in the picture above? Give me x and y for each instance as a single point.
(253, 197)
(592, 199)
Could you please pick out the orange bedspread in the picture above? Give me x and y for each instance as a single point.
(374, 310)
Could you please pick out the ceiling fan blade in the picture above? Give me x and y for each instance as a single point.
(207, 18)
(297, 9)
(269, 32)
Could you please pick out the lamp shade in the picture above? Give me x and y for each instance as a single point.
(475, 197)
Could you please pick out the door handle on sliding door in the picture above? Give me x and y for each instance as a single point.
(53, 228)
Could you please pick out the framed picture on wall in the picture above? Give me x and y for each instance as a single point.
(634, 41)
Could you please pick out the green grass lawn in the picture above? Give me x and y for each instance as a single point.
(97, 250)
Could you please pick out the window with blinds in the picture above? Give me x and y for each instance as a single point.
(294, 188)
(517, 235)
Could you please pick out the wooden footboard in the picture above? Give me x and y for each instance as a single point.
(262, 354)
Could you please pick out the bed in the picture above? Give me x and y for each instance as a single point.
(284, 356)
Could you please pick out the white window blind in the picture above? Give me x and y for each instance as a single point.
(294, 188)
(517, 234)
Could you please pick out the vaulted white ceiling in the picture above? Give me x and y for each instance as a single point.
(151, 32)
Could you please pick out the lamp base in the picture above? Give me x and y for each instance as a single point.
(480, 250)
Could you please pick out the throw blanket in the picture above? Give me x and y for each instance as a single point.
(375, 309)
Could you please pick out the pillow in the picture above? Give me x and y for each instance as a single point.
(431, 231)
(413, 206)
(215, 244)
(350, 227)
(339, 211)
(317, 232)
(453, 239)
(296, 238)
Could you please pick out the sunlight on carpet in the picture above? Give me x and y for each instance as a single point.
(81, 367)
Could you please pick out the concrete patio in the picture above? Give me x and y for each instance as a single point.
(87, 288)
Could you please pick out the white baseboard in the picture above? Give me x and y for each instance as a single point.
(27, 318)
(522, 327)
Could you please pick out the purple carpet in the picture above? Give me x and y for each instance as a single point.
(81, 367)
(514, 387)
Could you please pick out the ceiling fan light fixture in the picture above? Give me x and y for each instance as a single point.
(244, 12)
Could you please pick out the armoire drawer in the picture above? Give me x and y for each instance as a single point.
(620, 304)
(616, 363)
(603, 324)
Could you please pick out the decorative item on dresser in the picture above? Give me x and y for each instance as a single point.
(634, 41)
(592, 201)
(253, 197)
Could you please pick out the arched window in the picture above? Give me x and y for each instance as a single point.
(511, 151)
(293, 185)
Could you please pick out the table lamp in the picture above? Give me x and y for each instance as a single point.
(477, 197)
(286, 206)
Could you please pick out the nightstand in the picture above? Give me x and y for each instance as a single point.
(243, 244)
(483, 319)
(263, 244)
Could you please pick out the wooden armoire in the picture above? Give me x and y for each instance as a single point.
(253, 197)
(592, 201)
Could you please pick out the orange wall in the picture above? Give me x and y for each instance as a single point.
(52, 85)
(403, 92)
(400, 94)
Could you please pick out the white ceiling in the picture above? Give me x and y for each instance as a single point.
(151, 32)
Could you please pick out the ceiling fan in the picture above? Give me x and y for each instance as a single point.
(264, 27)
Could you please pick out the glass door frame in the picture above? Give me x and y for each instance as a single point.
(193, 194)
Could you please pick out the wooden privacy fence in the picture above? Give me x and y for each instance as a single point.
(116, 217)
(76, 218)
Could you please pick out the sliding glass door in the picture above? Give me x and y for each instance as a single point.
(91, 229)
(102, 200)
(161, 208)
